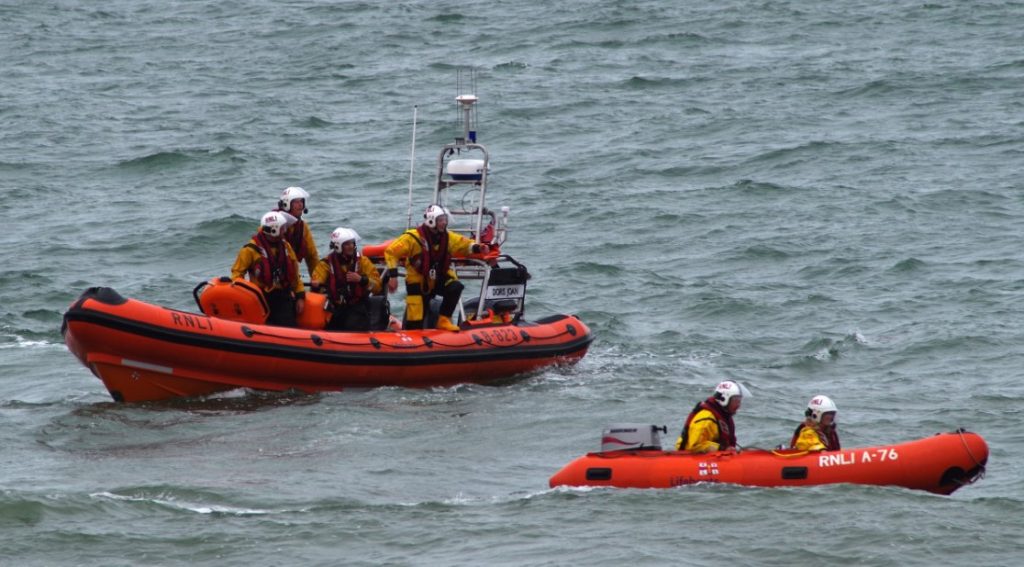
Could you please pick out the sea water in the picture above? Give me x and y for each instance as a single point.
(809, 197)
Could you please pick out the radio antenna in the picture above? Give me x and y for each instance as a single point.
(412, 166)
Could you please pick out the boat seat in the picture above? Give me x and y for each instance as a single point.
(508, 276)
(380, 312)
(503, 306)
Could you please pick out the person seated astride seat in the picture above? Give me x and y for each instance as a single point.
(710, 427)
(293, 203)
(270, 263)
(427, 251)
(348, 278)
(818, 431)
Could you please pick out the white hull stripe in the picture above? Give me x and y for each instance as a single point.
(147, 366)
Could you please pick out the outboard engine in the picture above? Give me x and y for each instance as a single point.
(625, 436)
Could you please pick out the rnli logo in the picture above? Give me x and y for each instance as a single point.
(707, 469)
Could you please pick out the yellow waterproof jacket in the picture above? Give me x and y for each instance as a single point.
(312, 257)
(809, 440)
(248, 256)
(408, 247)
(702, 435)
(321, 275)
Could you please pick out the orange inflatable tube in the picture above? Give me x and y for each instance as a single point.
(145, 352)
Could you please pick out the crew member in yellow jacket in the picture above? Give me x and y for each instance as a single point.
(347, 278)
(710, 427)
(818, 431)
(270, 263)
(293, 202)
(427, 251)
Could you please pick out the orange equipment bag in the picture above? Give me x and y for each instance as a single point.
(315, 314)
(234, 300)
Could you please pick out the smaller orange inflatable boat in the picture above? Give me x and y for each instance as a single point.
(940, 464)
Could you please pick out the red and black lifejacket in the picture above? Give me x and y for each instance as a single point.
(274, 266)
(433, 264)
(726, 427)
(829, 437)
(339, 290)
(296, 236)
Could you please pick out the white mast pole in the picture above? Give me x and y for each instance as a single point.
(412, 165)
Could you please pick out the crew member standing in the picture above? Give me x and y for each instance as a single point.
(293, 202)
(348, 279)
(269, 262)
(427, 251)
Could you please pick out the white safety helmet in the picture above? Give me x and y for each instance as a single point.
(342, 235)
(274, 223)
(726, 391)
(819, 406)
(432, 213)
(289, 195)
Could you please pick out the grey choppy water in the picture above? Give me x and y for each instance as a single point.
(807, 196)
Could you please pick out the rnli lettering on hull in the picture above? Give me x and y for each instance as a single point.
(685, 480)
(854, 457)
(504, 336)
(191, 321)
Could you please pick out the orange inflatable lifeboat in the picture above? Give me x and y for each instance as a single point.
(145, 352)
(940, 464)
